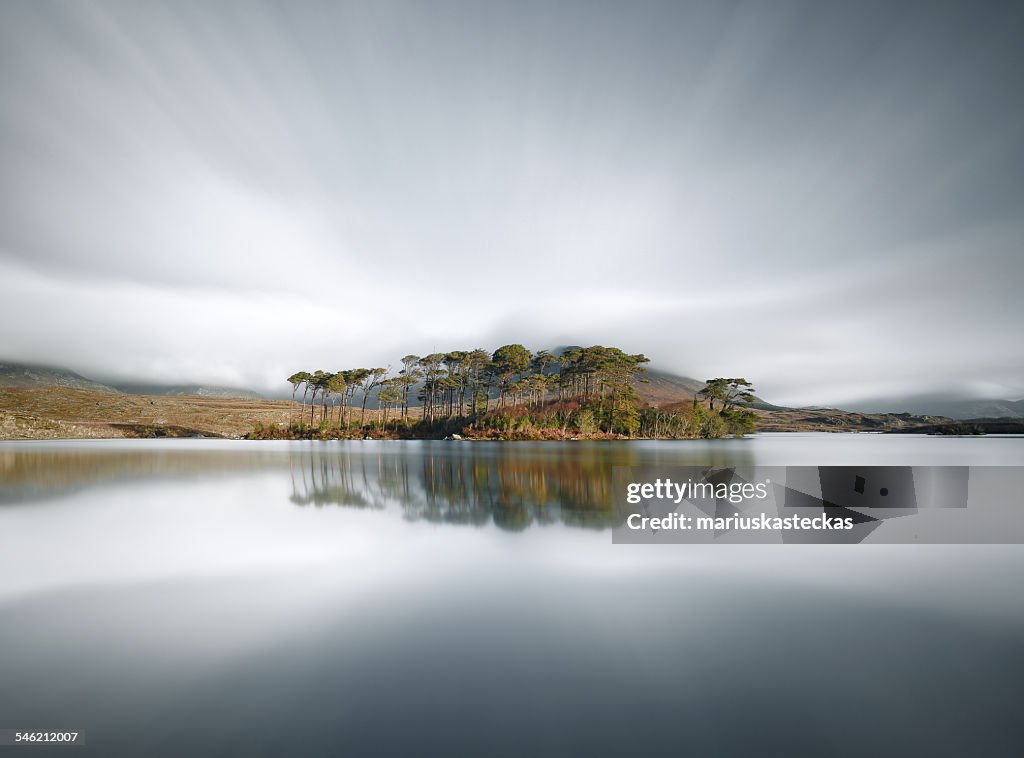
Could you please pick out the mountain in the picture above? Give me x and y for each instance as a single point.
(944, 405)
(27, 375)
(660, 388)
(203, 390)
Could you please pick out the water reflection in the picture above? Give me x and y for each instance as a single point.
(294, 599)
(512, 485)
(43, 470)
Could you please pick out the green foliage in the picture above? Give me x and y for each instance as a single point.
(585, 421)
(733, 396)
(625, 417)
(710, 426)
(585, 391)
(729, 392)
(738, 421)
(511, 359)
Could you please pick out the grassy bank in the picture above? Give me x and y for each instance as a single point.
(552, 421)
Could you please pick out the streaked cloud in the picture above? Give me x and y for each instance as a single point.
(822, 197)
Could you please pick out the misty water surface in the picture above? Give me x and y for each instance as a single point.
(199, 597)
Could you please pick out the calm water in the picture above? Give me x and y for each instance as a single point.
(198, 597)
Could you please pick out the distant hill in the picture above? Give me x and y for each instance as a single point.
(944, 405)
(203, 390)
(27, 375)
(660, 388)
(665, 390)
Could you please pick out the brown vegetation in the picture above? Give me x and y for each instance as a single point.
(64, 413)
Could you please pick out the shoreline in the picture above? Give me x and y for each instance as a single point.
(50, 413)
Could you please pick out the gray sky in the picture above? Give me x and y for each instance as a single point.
(824, 197)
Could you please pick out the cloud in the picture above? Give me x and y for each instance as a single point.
(816, 197)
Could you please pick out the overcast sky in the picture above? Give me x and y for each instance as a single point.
(824, 197)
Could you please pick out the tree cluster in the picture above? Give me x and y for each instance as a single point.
(588, 389)
(465, 383)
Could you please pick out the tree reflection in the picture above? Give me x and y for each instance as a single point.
(510, 486)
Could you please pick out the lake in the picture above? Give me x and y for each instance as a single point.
(206, 597)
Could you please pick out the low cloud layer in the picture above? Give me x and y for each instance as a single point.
(822, 198)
